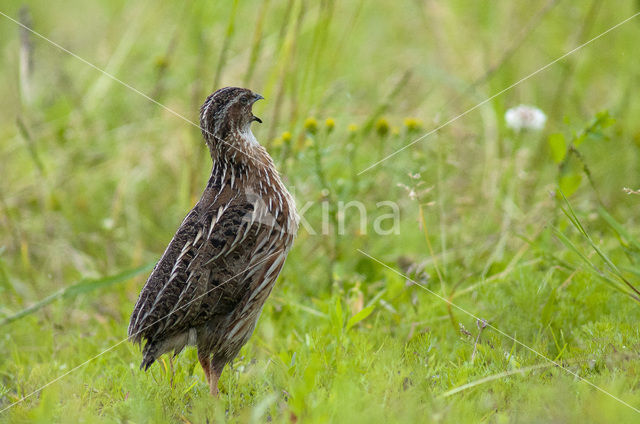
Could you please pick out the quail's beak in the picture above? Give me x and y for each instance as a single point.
(257, 97)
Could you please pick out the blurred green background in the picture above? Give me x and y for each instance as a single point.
(95, 178)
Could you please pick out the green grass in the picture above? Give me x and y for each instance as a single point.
(95, 180)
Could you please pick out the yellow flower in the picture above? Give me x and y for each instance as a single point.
(382, 127)
(395, 131)
(352, 128)
(412, 124)
(311, 125)
(286, 136)
(330, 124)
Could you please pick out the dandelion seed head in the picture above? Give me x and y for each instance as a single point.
(108, 223)
(525, 117)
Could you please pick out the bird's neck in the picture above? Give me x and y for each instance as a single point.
(238, 147)
(250, 173)
(244, 164)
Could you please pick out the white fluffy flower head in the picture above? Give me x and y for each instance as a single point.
(525, 117)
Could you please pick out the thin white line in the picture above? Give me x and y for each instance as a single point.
(496, 95)
(118, 80)
(499, 331)
(62, 376)
(362, 252)
(129, 337)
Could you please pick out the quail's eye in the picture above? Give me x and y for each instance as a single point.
(245, 100)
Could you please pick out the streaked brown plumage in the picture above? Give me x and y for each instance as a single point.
(210, 285)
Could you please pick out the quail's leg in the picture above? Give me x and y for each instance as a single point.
(215, 372)
(205, 362)
(173, 372)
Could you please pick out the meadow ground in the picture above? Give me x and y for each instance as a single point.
(542, 319)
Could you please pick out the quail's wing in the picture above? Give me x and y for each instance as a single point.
(200, 274)
(158, 289)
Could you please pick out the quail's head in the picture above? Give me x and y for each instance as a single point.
(227, 111)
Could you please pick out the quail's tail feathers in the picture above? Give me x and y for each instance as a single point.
(149, 355)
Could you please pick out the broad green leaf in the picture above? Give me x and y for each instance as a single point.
(595, 128)
(570, 183)
(558, 146)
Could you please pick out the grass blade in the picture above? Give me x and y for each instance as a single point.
(84, 286)
(613, 269)
(362, 314)
(493, 377)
